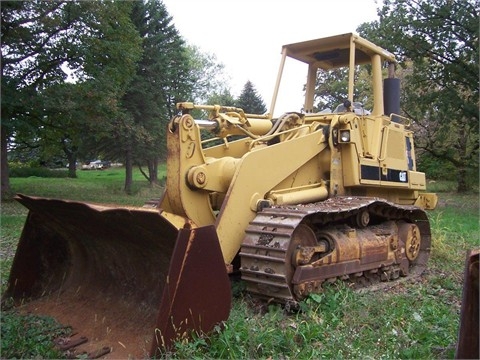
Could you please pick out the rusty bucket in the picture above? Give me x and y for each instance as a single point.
(468, 333)
(125, 278)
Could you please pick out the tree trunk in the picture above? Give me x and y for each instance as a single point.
(72, 166)
(153, 171)
(72, 159)
(462, 149)
(6, 190)
(462, 185)
(128, 172)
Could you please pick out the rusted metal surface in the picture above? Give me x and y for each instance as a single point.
(468, 334)
(348, 237)
(65, 344)
(70, 348)
(70, 244)
(197, 294)
(104, 271)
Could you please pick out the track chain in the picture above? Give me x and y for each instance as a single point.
(265, 261)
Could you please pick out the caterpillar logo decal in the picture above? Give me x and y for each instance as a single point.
(375, 173)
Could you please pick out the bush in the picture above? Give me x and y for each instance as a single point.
(473, 178)
(24, 172)
(436, 169)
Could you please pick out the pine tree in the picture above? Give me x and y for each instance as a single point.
(250, 101)
(170, 71)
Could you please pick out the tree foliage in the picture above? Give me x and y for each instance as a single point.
(207, 75)
(250, 101)
(331, 88)
(148, 102)
(437, 45)
(95, 41)
(95, 78)
(224, 97)
(169, 71)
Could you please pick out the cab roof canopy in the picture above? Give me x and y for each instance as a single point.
(334, 51)
(345, 50)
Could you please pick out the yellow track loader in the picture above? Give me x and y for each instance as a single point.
(296, 201)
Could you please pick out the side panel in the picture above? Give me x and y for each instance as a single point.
(379, 160)
(259, 172)
(392, 157)
(380, 153)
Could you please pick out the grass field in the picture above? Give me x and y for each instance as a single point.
(416, 318)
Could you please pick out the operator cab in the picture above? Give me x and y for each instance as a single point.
(340, 51)
(356, 107)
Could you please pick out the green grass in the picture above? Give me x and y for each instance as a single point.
(100, 186)
(30, 336)
(412, 323)
(12, 220)
(416, 318)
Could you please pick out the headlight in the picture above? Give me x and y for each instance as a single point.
(344, 136)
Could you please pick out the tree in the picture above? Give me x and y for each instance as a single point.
(22, 67)
(148, 100)
(437, 44)
(206, 75)
(250, 101)
(170, 71)
(95, 40)
(331, 88)
(224, 97)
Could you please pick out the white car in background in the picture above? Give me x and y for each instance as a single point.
(96, 165)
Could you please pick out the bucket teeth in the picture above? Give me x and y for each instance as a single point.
(69, 343)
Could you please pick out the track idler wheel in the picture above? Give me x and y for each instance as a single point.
(410, 235)
(302, 250)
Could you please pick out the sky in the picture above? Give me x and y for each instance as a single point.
(247, 36)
